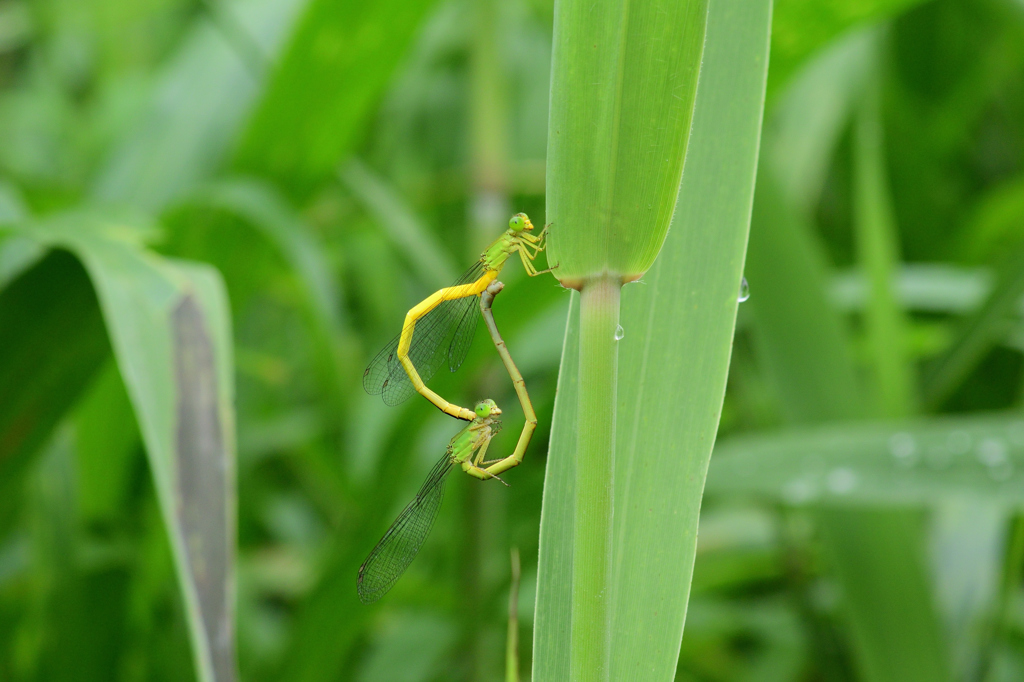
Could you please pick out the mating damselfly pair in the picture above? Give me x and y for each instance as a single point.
(442, 327)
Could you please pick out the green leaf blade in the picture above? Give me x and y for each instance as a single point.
(678, 333)
(170, 332)
(678, 328)
(624, 77)
(896, 464)
(338, 61)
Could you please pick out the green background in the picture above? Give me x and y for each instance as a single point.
(221, 210)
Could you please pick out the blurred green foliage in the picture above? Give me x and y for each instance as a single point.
(320, 156)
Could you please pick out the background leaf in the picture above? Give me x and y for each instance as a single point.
(892, 464)
(882, 264)
(302, 128)
(44, 373)
(169, 332)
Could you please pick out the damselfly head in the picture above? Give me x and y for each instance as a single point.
(487, 408)
(520, 222)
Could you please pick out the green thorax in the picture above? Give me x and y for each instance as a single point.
(503, 247)
(472, 438)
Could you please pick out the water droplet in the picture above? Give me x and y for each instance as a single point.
(992, 452)
(904, 448)
(619, 333)
(841, 481)
(744, 290)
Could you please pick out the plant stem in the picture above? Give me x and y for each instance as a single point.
(595, 458)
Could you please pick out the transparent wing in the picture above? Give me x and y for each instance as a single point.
(446, 331)
(462, 339)
(400, 544)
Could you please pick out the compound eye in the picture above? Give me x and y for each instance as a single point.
(516, 222)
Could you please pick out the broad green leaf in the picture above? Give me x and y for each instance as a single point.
(678, 327)
(693, 287)
(106, 442)
(169, 328)
(623, 80)
(337, 63)
(920, 462)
